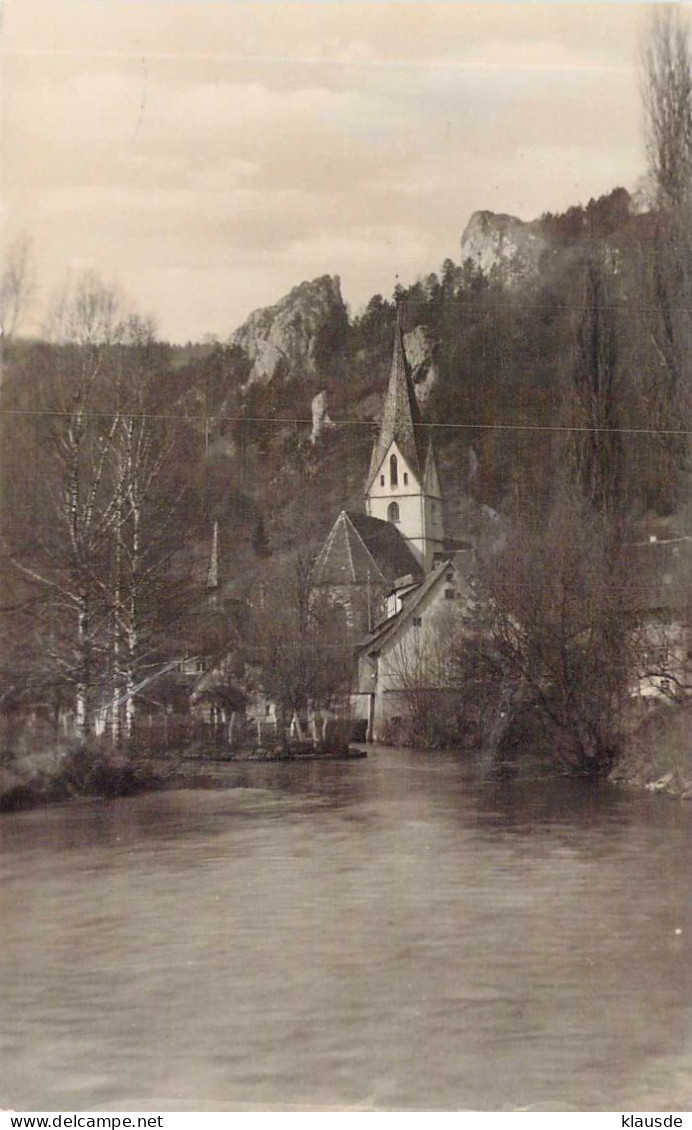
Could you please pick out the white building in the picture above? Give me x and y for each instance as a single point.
(403, 485)
(392, 569)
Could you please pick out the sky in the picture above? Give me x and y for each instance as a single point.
(207, 155)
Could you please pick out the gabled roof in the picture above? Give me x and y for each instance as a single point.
(387, 545)
(389, 629)
(360, 549)
(401, 419)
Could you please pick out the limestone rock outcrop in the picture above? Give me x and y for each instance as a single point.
(288, 339)
(421, 353)
(321, 422)
(505, 245)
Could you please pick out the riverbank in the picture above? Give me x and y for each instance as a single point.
(658, 757)
(52, 776)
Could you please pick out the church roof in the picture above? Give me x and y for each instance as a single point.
(387, 546)
(361, 549)
(401, 419)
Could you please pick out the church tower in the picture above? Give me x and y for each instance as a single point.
(403, 486)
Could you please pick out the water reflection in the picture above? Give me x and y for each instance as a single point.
(528, 807)
(386, 934)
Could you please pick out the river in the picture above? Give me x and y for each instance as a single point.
(386, 934)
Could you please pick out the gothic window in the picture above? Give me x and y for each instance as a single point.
(393, 472)
(405, 478)
(381, 480)
(393, 509)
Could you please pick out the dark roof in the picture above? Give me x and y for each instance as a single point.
(361, 549)
(401, 419)
(387, 546)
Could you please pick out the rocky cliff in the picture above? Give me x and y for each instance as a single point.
(506, 245)
(291, 338)
(321, 421)
(421, 353)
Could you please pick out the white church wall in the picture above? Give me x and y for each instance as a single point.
(407, 496)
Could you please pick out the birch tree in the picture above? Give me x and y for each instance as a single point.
(105, 534)
(143, 527)
(83, 498)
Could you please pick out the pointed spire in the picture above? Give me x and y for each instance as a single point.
(401, 420)
(213, 572)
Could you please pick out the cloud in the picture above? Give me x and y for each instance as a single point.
(255, 145)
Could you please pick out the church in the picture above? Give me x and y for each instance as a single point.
(391, 568)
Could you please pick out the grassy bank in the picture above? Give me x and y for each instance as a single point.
(28, 780)
(37, 769)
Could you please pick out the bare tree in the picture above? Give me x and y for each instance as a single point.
(425, 672)
(560, 611)
(17, 284)
(598, 453)
(301, 644)
(667, 96)
(667, 99)
(101, 550)
(143, 531)
(73, 563)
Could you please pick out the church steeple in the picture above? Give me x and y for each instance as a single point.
(403, 485)
(213, 578)
(401, 419)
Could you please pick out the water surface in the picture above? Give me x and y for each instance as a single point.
(385, 934)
